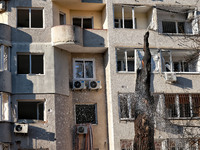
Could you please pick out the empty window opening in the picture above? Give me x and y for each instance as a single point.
(4, 58)
(182, 105)
(126, 144)
(83, 69)
(180, 61)
(30, 18)
(86, 114)
(125, 60)
(124, 17)
(62, 17)
(173, 27)
(85, 23)
(30, 64)
(126, 106)
(31, 110)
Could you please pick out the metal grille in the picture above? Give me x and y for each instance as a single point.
(170, 105)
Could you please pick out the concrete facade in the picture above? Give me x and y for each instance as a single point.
(65, 50)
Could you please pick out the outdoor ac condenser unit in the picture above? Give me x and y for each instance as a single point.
(78, 85)
(20, 128)
(170, 77)
(94, 85)
(81, 129)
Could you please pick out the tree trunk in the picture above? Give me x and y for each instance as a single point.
(144, 123)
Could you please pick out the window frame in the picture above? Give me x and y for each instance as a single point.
(96, 115)
(30, 19)
(84, 59)
(30, 63)
(176, 26)
(64, 15)
(2, 63)
(33, 100)
(1, 107)
(126, 59)
(129, 106)
(85, 17)
(177, 107)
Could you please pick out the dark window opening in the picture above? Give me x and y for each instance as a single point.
(77, 22)
(62, 18)
(23, 64)
(181, 27)
(83, 22)
(170, 105)
(169, 27)
(128, 24)
(30, 64)
(37, 64)
(36, 19)
(31, 110)
(22, 18)
(30, 18)
(86, 114)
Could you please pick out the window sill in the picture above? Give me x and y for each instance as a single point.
(30, 28)
(32, 74)
(178, 34)
(183, 72)
(183, 118)
(30, 121)
(126, 72)
(127, 119)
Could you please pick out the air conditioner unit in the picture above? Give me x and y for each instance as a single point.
(81, 129)
(2, 6)
(94, 85)
(170, 77)
(20, 128)
(78, 85)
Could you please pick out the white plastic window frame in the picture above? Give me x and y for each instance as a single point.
(2, 63)
(126, 63)
(129, 108)
(172, 65)
(176, 25)
(123, 15)
(74, 69)
(37, 100)
(32, 8)
(30, 63)
(85, 17)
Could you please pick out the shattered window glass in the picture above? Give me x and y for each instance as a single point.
(125, 60)
(84, 69)
(86, 114)
(126, 106)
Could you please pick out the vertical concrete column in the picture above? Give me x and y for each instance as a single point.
(177, 105)
(133, 17)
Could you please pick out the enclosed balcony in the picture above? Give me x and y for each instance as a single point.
(76, 39)
(5, 34)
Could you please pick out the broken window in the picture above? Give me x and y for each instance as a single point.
(182, 105)
(30, 64)
(126, 144)
(124, 17)
(5, 107)
(125, 60)
(62, 17)
(85, 23)
(126, 106)
(31, 110)
(30, 18)
(173, 27)
(83, 69)
(179, 61)
(4, 58)
(86, 114)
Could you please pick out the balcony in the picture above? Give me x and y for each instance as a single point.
(75, 39)
(5, 34)
(5, 80)
(5, 131)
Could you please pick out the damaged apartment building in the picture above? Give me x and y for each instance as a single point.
(68, 71)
